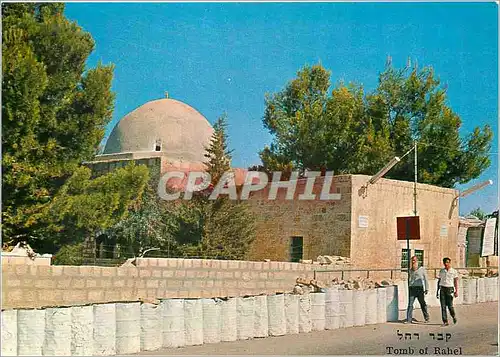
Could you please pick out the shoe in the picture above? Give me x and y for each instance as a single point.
(426, 321)
(445, 324)
(455, 320)
(405, 321)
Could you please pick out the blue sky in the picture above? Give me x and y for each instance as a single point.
(223, 57)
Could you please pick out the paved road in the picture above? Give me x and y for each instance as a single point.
(476, 334)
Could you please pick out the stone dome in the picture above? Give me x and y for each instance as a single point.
(166, 125)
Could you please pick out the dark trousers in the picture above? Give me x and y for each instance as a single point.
(446, 300)
(416, 292)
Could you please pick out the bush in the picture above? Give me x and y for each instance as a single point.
(69, 255)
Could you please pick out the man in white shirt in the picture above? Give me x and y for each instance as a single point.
(447, 289)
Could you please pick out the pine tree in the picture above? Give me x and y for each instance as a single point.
(218, 154)
(228, 227)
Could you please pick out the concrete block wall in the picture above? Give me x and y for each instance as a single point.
(42, 286)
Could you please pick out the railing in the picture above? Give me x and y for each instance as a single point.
(401, 270)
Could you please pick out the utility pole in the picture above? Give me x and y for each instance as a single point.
(414, 211)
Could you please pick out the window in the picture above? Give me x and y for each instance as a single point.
(296, 249)
(158, 145)
(420, 257)
(404, 258)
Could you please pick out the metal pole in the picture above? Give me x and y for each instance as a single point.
(415, 183)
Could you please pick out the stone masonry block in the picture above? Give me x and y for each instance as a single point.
(13, 283)
(33, 270)
(71, 297)
(156, 273)
(162, 263)
(172, 263)
(167, 273)
(187, 284)
(187, 263)
(174, 283)
(197, 263)
(78, 283)
(233, 264)
(202, 274)
(199, 283)
(119, 283)
(64, 283)
(144, 273)
(180, 274)
(112, 295)
(21, 269)
(91, 283)
(71, 271)
(152, 284)
(109, 271)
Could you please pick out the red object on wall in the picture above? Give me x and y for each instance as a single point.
(409, 224)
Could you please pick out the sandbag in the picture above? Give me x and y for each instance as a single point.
(489, 291)
(292, 314)
(346, 310)
(30, 332)
(82, 330)
(381, 305)
(332, 306)
(104, 329)
(305, 324)
(430, 298)
(211, 321)
(173, 328)
(246, 317)
(128, 328)
(402, 294)
(481, 290)
(57, 332)
(193, 319)
(261, 319)
(495, 296)
(469, 291)
(229, 320)
(359, 306)
(371, 307)
(318, 311)
(151, 326)
(276, 313)
(9, 333)
(459, 300)
(392, 308)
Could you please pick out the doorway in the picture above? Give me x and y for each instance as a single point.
(296, 249)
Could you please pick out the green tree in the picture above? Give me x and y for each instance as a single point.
(228, 226)
(54, 110)
(217, 153)
(350, 131)
(85, 205)
(478, 212)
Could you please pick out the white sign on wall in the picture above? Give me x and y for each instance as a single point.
(363, 221)
(488, 246)
(444, 231)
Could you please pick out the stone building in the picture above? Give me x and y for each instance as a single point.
(361, 225)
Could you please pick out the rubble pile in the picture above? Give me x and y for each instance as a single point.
(328, 260)
(305, 286)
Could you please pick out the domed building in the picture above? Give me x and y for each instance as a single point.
(166, 133)
(165, 126)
